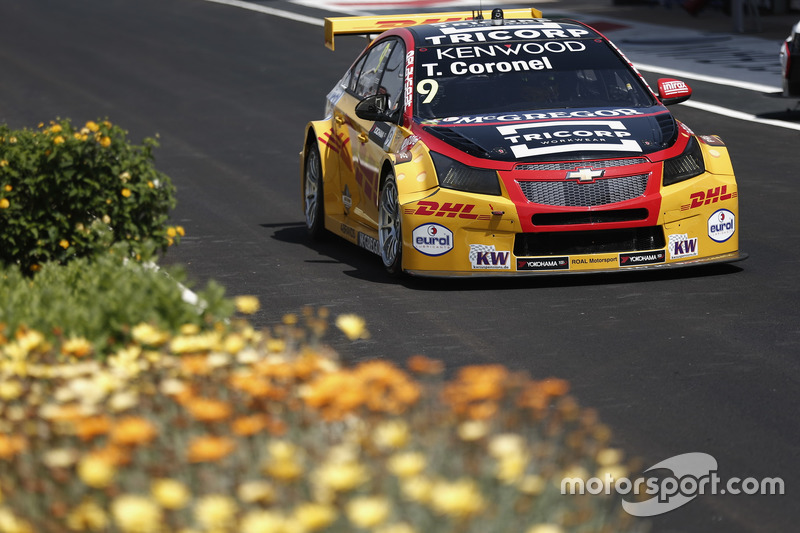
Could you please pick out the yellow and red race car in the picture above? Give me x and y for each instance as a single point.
(458, 145)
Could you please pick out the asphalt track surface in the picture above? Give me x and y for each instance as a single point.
(693, 360)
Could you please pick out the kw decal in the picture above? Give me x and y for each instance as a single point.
(484, 256)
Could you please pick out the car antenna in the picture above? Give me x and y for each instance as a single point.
(479, 14)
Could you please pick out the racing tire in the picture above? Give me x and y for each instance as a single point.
(313, 197)
(390, 236)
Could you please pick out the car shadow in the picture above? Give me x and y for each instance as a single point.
(366, 266)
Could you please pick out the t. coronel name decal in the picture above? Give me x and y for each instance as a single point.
(528, 140)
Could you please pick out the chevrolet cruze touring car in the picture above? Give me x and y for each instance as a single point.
(459, 145)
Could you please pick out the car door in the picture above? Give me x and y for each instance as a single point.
(380, 70)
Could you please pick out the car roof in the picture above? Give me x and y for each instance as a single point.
(484, 31)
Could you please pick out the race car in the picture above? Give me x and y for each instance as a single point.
(790, 62)
(464, 145)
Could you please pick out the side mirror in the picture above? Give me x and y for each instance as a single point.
(375, 108)
(672, 91)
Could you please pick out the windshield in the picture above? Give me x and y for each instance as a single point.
(517, 76)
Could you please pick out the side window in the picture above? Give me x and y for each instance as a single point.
(392, 80)
(370, 73)
(354, 74)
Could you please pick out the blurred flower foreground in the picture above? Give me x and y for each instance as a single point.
(230, 429)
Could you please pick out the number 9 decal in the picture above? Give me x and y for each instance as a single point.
(429, 88)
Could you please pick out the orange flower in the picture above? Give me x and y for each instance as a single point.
(253, 385)
(195, 365)
(420, 364)
(246, 426)
(209, 449)
(91, 427)
(133, 430)
(209, 410)
(11, 445)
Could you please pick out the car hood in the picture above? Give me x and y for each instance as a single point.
(544, 135)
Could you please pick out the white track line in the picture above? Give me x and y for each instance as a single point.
(710, 108)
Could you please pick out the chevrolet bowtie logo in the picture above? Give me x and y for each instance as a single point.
(585, 174)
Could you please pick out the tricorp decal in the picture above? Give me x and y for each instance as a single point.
(565, 136)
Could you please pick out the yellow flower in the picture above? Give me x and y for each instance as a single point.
(506, 444)
(314, 516)
(609, 456)
(9, 523)
(215, 512)
(4, 203)
(392, 434)
(149, 335)
(283, 461)
(64, 243)
(545, 528)
(56, 128)
(96, 470)
(58, 140)
(262, 522)
(341, 476)
(126, 192)
(87, 516)
(256, 491)
(92, 126)
(247, 305)
(170, 493)
(125, 176)
(368, 511)
(105, 141)
(180, 230)
(460, 498)
(4, 163)
(76, 347)
(353, 326)
(136, 514)
(171, 232)
(472, 430)
(406, 464)
(10, 389)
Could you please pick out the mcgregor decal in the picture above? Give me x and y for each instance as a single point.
(484, 256)
(721, 225)
(641, 258)
(432, 239)
(449, 210)
(521, 117)
(681, 246)
(543, 263)
(711, 196)
(556, 137)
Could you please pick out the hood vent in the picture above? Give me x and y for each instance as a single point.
(455, 139)
(669, 129)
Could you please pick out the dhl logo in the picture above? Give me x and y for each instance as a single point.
(402, 23)
(711, 196)
(338, 144)
(449, 210)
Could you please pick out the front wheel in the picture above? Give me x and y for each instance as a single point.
(313, 201)
(389, 230)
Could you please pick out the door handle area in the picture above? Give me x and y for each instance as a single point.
(363, 137)
(339, 119)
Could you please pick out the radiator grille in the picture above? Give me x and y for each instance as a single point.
(573, 194)
(572, 165)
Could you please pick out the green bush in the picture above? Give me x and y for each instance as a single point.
(100, 300)
(61, 186)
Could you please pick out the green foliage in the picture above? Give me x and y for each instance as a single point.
(62, 185)
(102, 299)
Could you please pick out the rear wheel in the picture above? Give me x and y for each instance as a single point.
(312, 192)
(389, 230)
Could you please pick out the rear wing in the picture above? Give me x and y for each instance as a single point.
(380, 23)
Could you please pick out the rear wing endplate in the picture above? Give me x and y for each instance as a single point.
(380, 23)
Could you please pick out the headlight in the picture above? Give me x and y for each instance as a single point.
(455, 175)
(687, 165)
